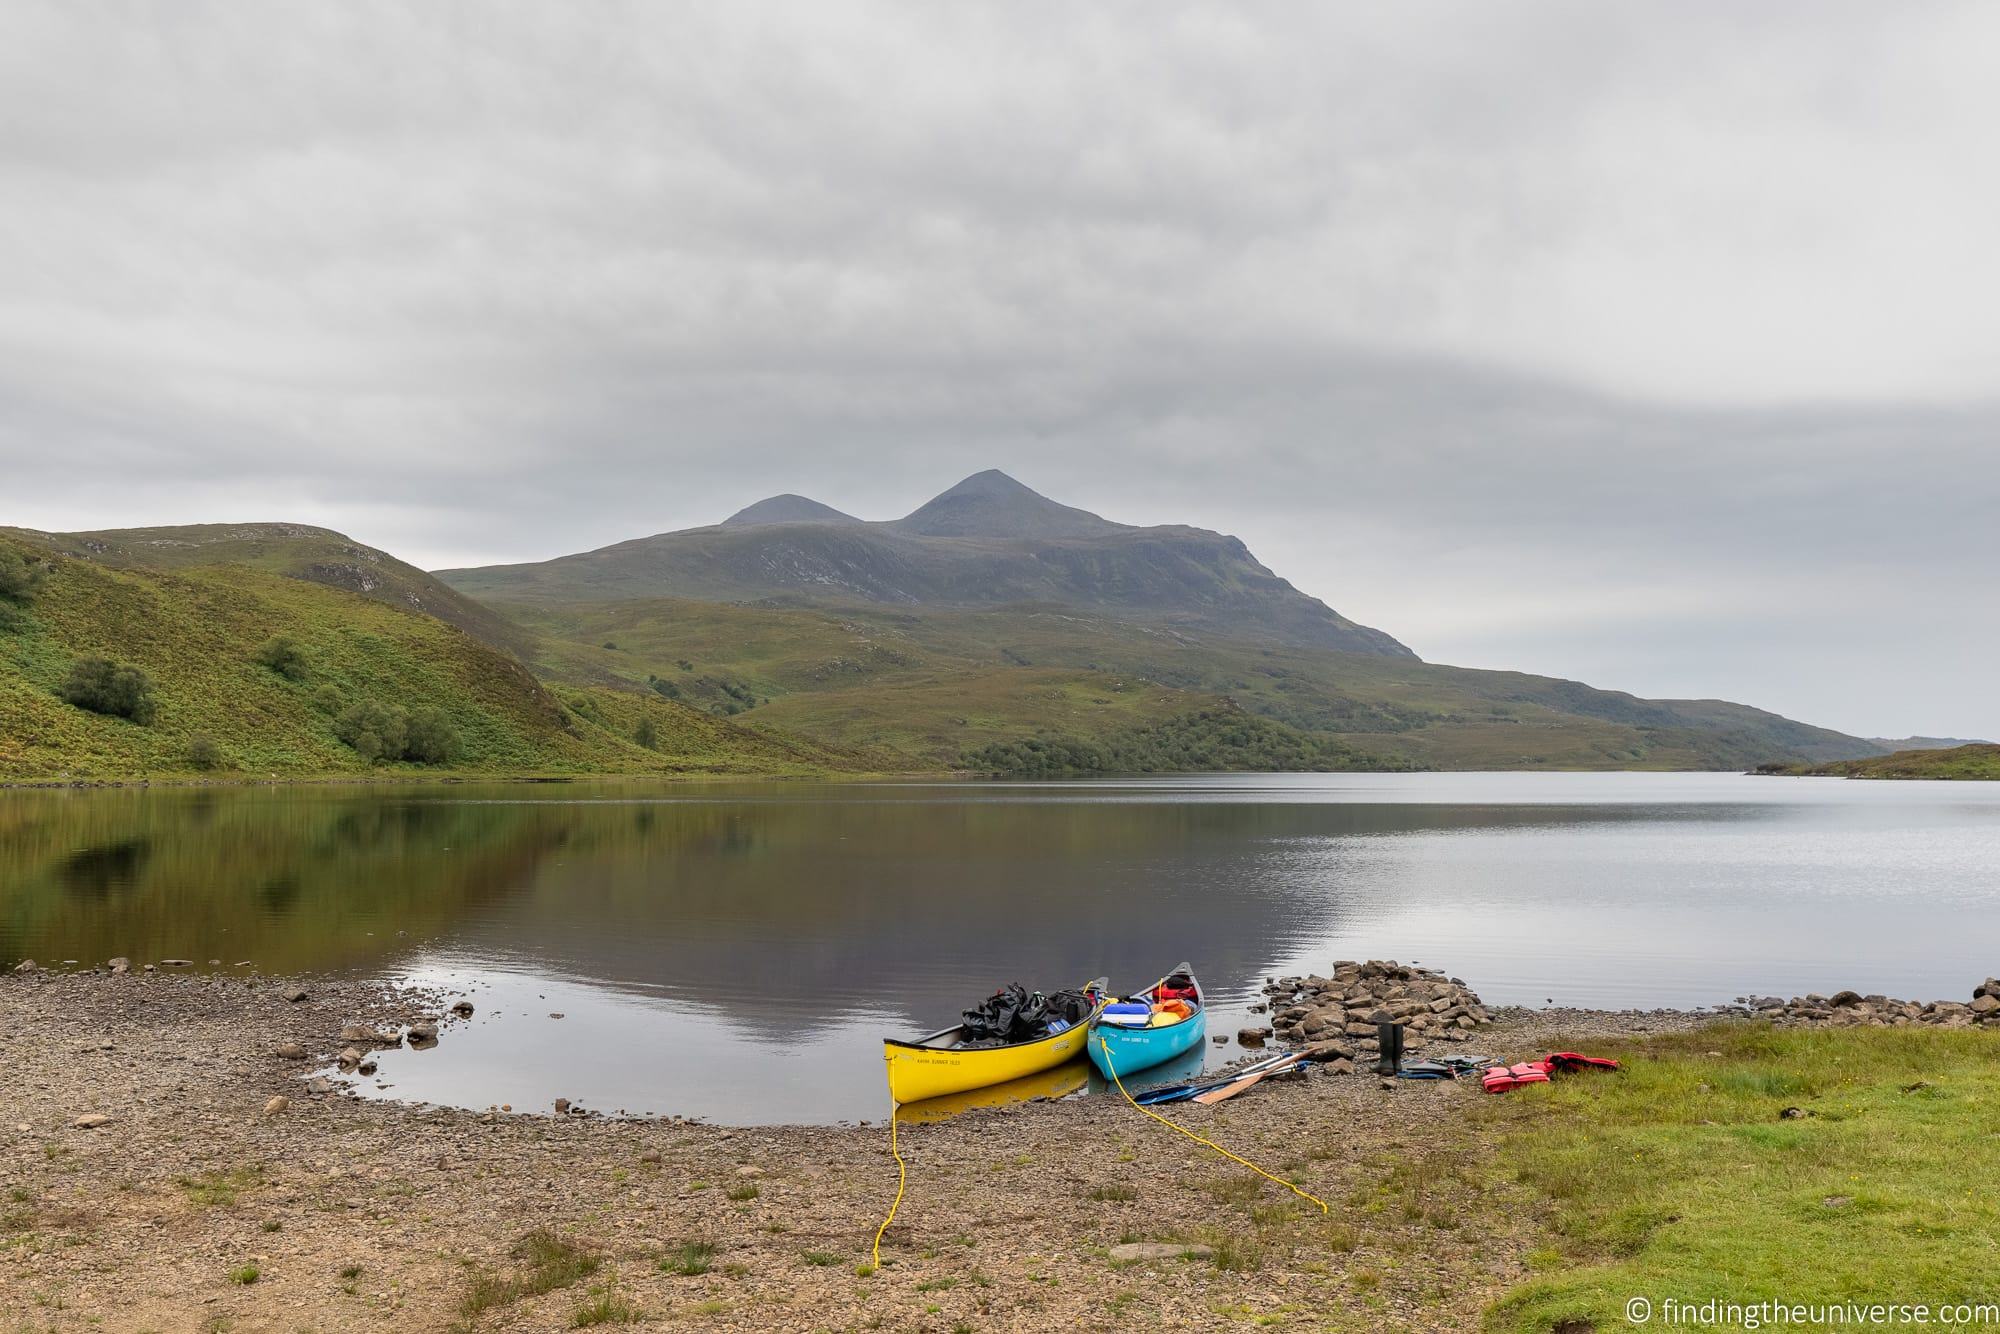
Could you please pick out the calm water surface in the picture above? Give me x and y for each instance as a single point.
(736, 952)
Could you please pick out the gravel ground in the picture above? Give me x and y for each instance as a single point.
(358, 1215)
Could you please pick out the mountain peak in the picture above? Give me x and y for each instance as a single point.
(786, 508)
(992, 504)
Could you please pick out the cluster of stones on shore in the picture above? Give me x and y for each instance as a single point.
(1336, 1019)
(1849, 1009)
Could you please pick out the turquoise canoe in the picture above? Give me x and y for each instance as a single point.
(1127, 1051)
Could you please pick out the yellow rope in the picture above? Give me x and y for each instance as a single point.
(901, 1174)
(1105, 1047)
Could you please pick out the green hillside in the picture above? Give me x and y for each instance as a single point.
(939, 683)
(1979, 761)
(299, 551)
(197, 634)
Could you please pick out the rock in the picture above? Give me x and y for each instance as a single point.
(1985, 1005)
(463, 1009)
(365, 1068)
(749, 1171)
(1794, 1113)
(1340, 1065)
(1252, 1037)
(120, 966)
(1132, 1251)
(277, 1104)
(26, 966)
(319, 1086)
(90, 1121)
(350, 1056)
(423, 1031)
(562, 1106)
(1221, 1039)
(1845, 999)
(650, 1157)
(1990, 987)
(177, 963)
(1328, 1051)
(149, 968)
(296, 994)
(289, 1051)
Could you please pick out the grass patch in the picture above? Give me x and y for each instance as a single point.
(689, 1258)
(1113, 1194)
(743, 1192)
(820, 1258)
(244, 1275)
(605, 1308)
(545, 1263)
(1681, 1176)
(217, 1190)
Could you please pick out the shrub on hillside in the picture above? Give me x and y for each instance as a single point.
(328, 699)
(20, 578)
(647, 735)
(1209, 741)
(384, 732)
(431, 739)
(203, 753)
(376, 731)
(103, 686)
(283, 656)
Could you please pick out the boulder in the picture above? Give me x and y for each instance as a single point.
(26, 966)
(91, 1121)
(1252, 1037)
(177, 963)
(463, 1009)
(1845, 999)
(296, 994)
(562, 1106)
(350, 1056)
(289, 1051)
(120, 966)
(319, 1086)
(1990, 987)
(276, 1104)
(1328, 1051)
(1984, 1005)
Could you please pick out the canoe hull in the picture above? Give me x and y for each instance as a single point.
(917, 1073)
(1136, 1049)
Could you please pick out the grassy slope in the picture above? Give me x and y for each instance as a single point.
(318, 555)
(193, 631)
(1978, 761)
(1680, 1178)
(826, 671)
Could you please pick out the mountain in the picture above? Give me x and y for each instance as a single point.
(1978, 761)
(200, 635)
(992, 504)
(297, 551)
(787, 508)
(987, 542)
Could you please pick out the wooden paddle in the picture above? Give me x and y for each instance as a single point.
(1237, 1085)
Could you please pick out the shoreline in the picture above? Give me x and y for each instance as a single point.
(1009, 1220)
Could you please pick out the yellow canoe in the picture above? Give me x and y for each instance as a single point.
(1060, 1082)
(934, 1066)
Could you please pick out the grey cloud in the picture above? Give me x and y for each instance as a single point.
(1650, 348)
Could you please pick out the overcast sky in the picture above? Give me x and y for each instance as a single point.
(1656, 346)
